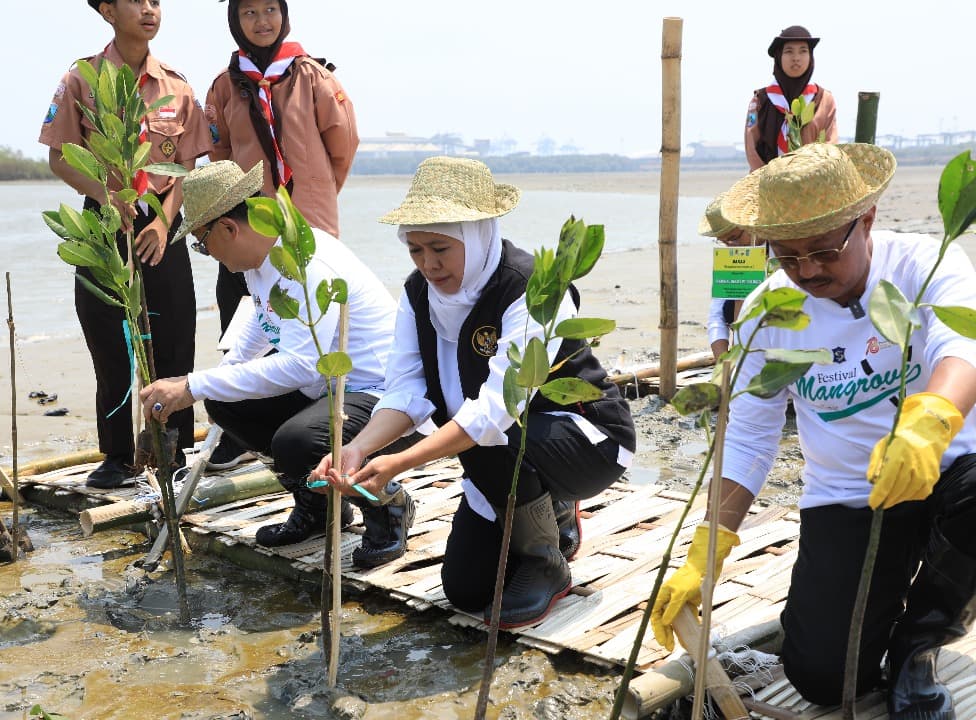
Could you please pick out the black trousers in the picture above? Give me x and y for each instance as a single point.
(833, 538)
(173, 324)
(559, 460)
(231, 287)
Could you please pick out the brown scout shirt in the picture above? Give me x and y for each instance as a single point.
(824, 118)
(177, 131)
(317, 136)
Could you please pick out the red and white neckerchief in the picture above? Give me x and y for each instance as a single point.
(140, 181)
(283, 60)
(775, 94)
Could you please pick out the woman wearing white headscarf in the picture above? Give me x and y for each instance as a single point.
(459, 312)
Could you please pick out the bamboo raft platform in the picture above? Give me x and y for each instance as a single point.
(625, 532)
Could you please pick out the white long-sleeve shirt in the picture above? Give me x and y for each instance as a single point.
(247, 372)
(844, 408)
(716, 326)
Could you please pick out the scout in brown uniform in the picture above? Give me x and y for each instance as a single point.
(275, 103)
(178, 133)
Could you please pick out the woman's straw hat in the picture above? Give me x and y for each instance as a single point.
(450, 189)
(713, 223)
(214, 189)
(810, 191)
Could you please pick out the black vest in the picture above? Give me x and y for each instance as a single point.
(478, 343)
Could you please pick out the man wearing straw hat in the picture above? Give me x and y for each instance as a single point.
(816, 207)
(276, 403)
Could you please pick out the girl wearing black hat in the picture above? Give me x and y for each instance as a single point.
(766, 123)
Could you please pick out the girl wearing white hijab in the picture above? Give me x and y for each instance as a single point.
(458, 314)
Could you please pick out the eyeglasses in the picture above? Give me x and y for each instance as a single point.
(820, 257)
(201, 245)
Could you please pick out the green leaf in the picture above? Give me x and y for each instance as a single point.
(53, 220)
(114, 129)
(284, 304)
(79, 254)
(168, 169)
(163, 101)
(774, 377)
(94, 119)
(83, 161)
(590, 250)
(73, 222)
(105, 150)
(285, 263)
(98, 292)
(806, 115)
(584, 328)
(334, 364)
(570, 390)
(135, 293)
(153, 202)
(570, 241)
(512, 393)
(127, 196)
(957, 195)
(535, 365)
(323, 296)
(891, 313)
(340, 291)
(112, 218)
(141, 155)
(957, 318)
(264, 216)
(697, 397)
(820, 357)
(787, 318)
(514, 355)
(87, 72)
(106, 87)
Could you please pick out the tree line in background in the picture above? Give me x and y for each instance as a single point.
(14, 166)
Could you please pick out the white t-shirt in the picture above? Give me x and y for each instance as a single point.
(247, 372)
(844, 408)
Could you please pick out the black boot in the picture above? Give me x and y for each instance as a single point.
(306, 519)
(941, 608)
(112, 473)
(385, 538)
(541, 574)
(570, 530)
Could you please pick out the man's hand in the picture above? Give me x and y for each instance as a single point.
(907, 468)
(684, 587)
(165, 397)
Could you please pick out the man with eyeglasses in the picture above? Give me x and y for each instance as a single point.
(816, 207)
(276, 403)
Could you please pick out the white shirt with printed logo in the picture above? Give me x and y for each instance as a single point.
(844, 408)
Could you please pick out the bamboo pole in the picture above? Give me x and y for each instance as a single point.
(15, 495)
(714, 505)
(690, 633)
(688, 362)
(332, 563)
(867, 117)
(668, 213)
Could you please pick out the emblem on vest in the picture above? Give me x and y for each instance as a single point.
(485, 341)
(168, 147)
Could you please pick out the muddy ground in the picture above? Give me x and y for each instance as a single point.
(85, 634)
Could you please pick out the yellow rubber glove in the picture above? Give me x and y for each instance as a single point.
(685, 585)
(908, 468)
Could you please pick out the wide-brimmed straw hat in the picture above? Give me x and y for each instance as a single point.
(214, 189)
(450, 189)
(792, 33)
(713, 223)
(810, 191)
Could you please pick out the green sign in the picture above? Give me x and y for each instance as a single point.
(736, 271)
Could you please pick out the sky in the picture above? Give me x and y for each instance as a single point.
(585, 73)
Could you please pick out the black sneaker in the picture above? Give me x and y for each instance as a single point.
(228, 454)
(112, 473)
(299, 526)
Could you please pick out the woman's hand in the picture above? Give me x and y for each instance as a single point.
(151, 243)
(352, 459)
(373, 477)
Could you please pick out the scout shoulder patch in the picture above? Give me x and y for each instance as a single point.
(340, 96)
(51, 112)
(753, 113)
(485, 341)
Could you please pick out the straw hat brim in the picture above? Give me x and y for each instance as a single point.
(433, 210)
(248, 185)
(741, 204)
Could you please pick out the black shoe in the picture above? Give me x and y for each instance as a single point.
(570, 530)
(299, 526)
(385, 538)
(228, 454)
(112, 473)
(346, 515)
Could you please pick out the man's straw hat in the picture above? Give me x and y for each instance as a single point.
(713, 223)
(810, 191)
(450, 189)
(214, 189)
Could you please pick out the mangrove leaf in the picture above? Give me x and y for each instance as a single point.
(590, 251)
(584, 328)
(83, 161)
(891, 313)
(570, 390)
(263, 218)
(282, 303)
(285, 264)
(774, 377)
(957, 195)
(957, 318)
(334, 364)
(168, 169)
(98, 292)
(697, 397)
(535, 365)
(820, 357)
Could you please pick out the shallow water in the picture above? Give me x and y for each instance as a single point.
(84, 634)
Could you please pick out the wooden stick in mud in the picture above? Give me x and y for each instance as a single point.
(688, 362)
(15, 495)
(668, 200)
(714, 503)
(332, 563)
(689, 632)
